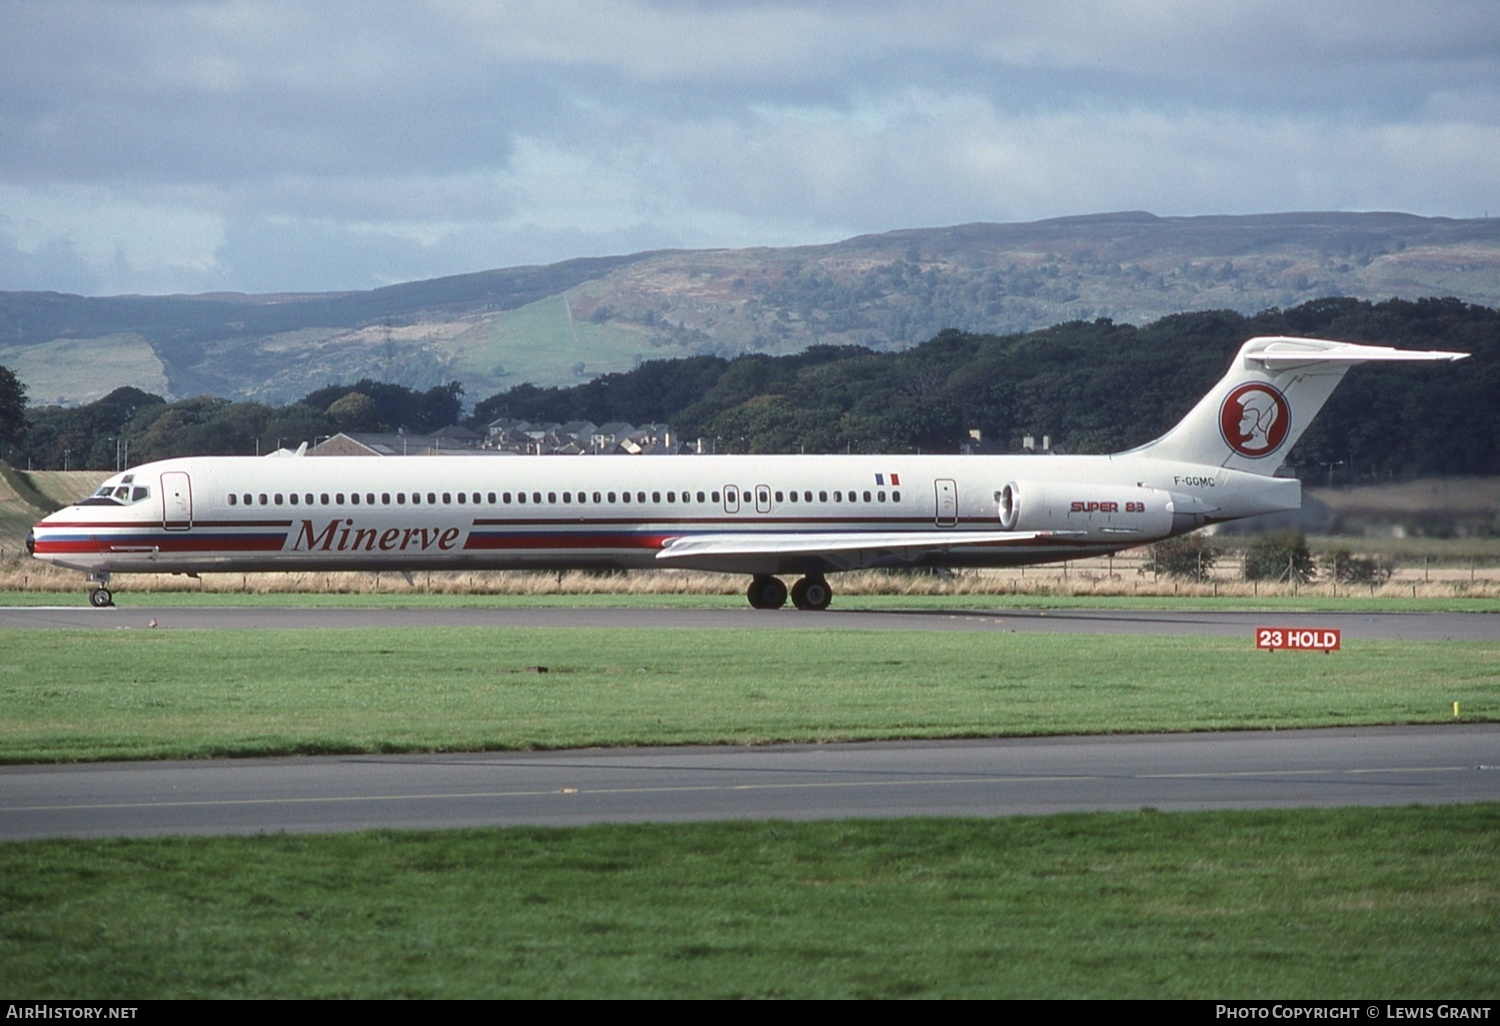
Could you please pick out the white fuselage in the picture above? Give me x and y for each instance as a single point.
(496, 512)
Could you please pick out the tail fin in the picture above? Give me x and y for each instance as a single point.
(1274, 388)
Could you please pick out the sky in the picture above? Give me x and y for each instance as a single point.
(263, 146)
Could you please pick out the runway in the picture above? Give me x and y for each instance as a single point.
(1391, 626)
(1268, 769)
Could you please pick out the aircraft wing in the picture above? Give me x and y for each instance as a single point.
(838, 550)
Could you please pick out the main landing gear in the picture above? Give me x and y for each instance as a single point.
(766, 592)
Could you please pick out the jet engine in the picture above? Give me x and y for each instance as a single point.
(1096, 512)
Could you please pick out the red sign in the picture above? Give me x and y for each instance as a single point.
(1307, 639)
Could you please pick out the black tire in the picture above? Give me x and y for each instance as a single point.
(812, 594)
(101, 598)
(766, 593)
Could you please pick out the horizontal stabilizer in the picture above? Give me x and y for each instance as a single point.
(1282, 351)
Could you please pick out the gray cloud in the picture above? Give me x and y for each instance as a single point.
(173, 146)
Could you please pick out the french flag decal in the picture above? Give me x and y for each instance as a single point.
(895, 480)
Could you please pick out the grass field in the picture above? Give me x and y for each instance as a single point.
(1351, 903)
(1401, 903)
(141, 694)
(80, 370)
(540, 343)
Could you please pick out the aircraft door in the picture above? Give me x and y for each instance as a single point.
(946, 514)
(762, 498)
(731, 499)
(176, 501)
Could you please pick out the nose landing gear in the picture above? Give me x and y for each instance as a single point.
(100, 597)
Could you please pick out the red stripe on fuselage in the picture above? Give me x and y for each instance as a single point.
(491, 541)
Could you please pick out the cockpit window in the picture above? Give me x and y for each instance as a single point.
(117, 495)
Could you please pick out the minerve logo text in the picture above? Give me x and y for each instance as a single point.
(343, 536)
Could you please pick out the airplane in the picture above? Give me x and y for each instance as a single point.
(764, 516)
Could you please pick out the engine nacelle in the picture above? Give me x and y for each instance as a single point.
(1106, 513)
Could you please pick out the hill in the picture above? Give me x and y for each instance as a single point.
(575, 320)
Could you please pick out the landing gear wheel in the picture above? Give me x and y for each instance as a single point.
(101, 598)
(766, 593)
(811, 593)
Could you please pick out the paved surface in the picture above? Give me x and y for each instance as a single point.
(1356, 766)
(1399, 626)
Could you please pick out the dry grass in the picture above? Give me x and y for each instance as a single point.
(1121, 577)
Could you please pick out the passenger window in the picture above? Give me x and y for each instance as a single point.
(624, 496)
(867, 496)
(596, 497)
(385, 498)
(265, 500)
(714, 496)
(656, 497)
(567, 497)
(369, 498)
(822, 496)
(700, 497)
(231, 498)
(880, 495)
(447, 498)
(339, 498)
(611, 496)
(552, 498)
(432, 498)
(323, 498)
(520, 496)
(401, 498)
(838, 496)
(895, 496)
(640, 496)
(249, 501)
(536, 497)
(492, 498)
(278, 498)
(292, 498)
(416, 498)
(671, 496)
(505, 498)
(807, 496)
(461, 498)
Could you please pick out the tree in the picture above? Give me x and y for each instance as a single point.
(12, 407)
(355, 412)
(1344, 567)
(1188, 557)
(1280, 556)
